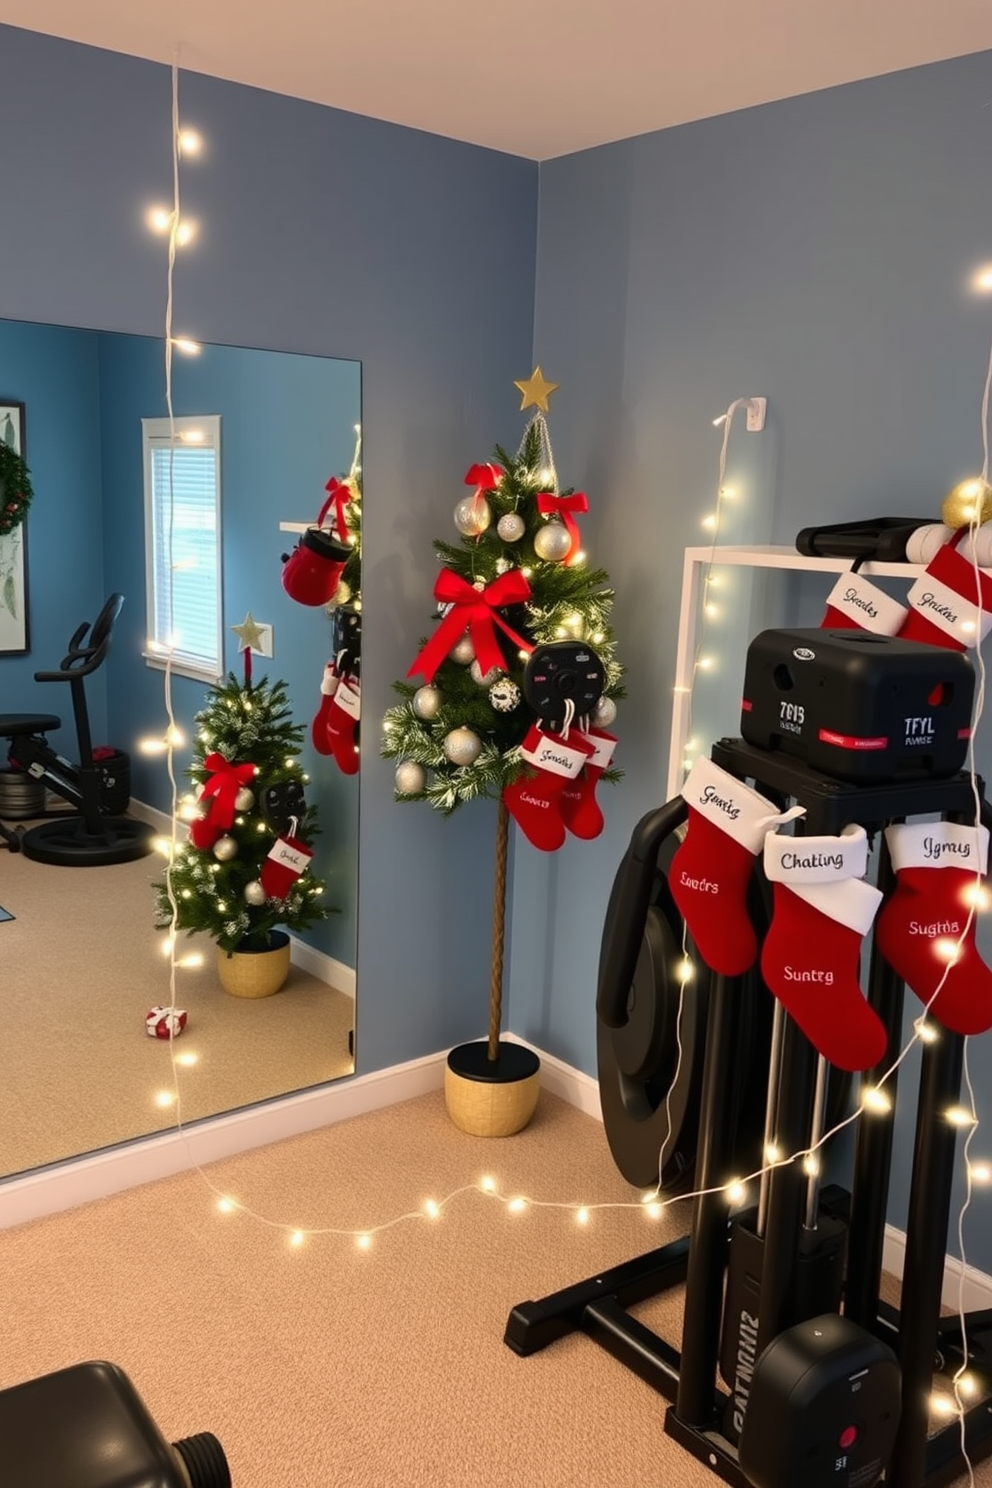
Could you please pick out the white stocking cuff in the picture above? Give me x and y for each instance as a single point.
(939, 845)
(816, 860)
(731, 805)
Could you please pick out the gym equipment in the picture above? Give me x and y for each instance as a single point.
(881, 538)
(560, 673)
(90, 835)
(87, 1427)
(920, 1457)
(856, 705)
(824, 1408)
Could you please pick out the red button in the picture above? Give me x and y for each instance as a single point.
(848, 1437)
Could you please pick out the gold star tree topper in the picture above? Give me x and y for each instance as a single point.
(251, 635)
(535, 391)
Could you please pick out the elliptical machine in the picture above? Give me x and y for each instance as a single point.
(91, 834)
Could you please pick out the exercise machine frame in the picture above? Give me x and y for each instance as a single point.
(919, 1335)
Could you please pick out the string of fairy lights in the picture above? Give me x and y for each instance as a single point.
(874, 1098)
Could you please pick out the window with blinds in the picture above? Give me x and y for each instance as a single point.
(183, 545)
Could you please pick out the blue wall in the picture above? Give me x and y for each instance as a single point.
(815, 251)
(328, 234)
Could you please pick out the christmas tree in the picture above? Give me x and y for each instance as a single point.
(335, 726)
(244, 871)
(524, 648)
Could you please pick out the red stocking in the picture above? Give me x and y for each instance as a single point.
(946, 606)
(318, 729)
(939, 866)
(711, 870)
(533, 798)
(341, 716)
(854, 604)
(580, 811)
(286, 861)
(811, 956)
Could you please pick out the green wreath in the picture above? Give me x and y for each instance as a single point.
(15, 489)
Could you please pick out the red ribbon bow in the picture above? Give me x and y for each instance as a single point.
(340, 494)
(547, 501)
(218, 798)
(473, 610)
(484, 478)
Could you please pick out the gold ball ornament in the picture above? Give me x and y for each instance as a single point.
(552, 542)
(244, 800)
(410, 778)
(225, 848)
(472, 516)
(604, 713)
(969, 501)
(426, 703)
(254, 893)
(463, 651)
(462, 746)
(511, 527)
(484, 679)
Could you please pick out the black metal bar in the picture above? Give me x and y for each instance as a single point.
(635, 1345)
(531, 1326)
(708, 1446)
(926, 1242)
(944, 1459)
(710, 1230)
(873, 1145)
(787, 1191)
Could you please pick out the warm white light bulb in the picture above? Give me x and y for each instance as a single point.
(191, 960)
(163, 845)
(943, 1404)
(192, 436)
(165, 1098)
(981, 280)
(705, 663)
(926, 1031)
(960, 1116)
(811, 1165)
(432, 1209)
(773, 1152)
(654, 1210)
(363, 1241)
(185, 233)
(190, 143)
(582, 1216)
(736, 1191)
(685, 970)
(159, 219)
(517, 1206)
(487, 1184)
(980, 1172)
(712, 611)
(875, 1099)
(976, 896)
(708, 523)
(297, 1238)
(187, 1058)
(186, 346)
(225, 1206)
(152, 746)
(967, 1385)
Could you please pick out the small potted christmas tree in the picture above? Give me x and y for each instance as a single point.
(243, 876)
(518, 686)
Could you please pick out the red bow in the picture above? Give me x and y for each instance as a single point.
(547, 501)
(484, 478)
(219, 796)
(473, 610)
(340, 494)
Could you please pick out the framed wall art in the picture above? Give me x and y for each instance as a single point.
(13, 539)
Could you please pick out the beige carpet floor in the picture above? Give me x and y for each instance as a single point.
(325, 1366)
(80, 965)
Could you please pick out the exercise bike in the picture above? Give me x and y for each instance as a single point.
(92, 833)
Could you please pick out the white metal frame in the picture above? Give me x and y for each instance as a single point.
(697, 560)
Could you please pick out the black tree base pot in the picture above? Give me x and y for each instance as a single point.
(491, 1097)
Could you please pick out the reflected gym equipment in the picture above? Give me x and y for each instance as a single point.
(93, 833)
(916, 1456)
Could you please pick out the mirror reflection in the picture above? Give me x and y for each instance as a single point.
(124, 506)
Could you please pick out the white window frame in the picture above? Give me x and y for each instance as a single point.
(157, 434)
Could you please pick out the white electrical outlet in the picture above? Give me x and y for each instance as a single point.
(756, 409)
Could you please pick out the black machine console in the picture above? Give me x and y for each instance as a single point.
(858, 706)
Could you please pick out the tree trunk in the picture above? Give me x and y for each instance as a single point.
(499, 921)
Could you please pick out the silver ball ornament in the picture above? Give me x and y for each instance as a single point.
(410, 778)
(511, 527)
(225, 848)
(552, 542)
(254, 893)
(504, 695)
(244, 800)
(484, 679)
(472, 516)
(462, 746)
(604, 713)
(463, 651)
(426, 703)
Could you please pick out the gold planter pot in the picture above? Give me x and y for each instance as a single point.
(255, 973)
(491, 1098)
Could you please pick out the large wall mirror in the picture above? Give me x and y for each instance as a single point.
(81, 962)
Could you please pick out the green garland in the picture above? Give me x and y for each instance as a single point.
(15, 489)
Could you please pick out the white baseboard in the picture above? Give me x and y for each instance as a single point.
(561, 1079)
(977, 1290)
(65, 1185)
(325, 968)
